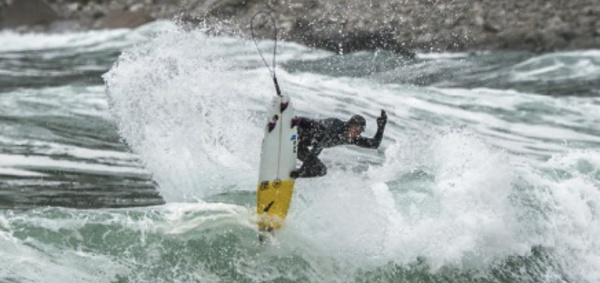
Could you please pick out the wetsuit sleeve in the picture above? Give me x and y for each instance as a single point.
(372, 142)
(308, 125)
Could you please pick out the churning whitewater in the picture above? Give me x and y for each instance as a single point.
(489, 170)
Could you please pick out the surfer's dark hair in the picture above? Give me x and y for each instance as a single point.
(357, 120)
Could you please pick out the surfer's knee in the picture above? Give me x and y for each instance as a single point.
(319, 169)
(323, 171)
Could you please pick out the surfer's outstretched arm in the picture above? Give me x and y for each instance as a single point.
(376, 140)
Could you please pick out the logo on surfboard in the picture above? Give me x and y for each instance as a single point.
(294, 140)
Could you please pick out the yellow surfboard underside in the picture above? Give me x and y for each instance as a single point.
(272, 203)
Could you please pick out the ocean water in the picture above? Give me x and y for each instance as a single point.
(132, 155)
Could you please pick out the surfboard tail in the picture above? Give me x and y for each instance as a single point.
(273, 203)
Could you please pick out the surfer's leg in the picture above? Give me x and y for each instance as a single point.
(315, 168)
(312, 167)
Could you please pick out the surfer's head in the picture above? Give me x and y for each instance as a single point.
(355, 126)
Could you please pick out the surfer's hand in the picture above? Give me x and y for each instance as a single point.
(295, 174)
(382, 120)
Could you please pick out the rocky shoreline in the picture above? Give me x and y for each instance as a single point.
(341, 25)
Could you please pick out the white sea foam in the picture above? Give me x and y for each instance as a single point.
(460, 216)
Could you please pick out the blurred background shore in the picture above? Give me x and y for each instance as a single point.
(341, 25)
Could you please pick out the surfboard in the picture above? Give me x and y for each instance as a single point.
(278, 159)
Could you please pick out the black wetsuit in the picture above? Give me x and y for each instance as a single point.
(318, 134)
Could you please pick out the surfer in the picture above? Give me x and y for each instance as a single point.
(315, 135)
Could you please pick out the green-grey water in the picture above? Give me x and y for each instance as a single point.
(132, 155)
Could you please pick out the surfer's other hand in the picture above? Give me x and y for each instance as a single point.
(382, 120)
